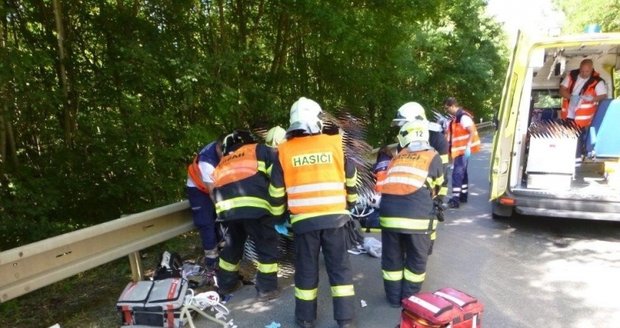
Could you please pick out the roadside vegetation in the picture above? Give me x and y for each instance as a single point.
(103, 103)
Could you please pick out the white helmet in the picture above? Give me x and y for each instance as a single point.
(275, 136)
(415, 131)
(409, 112)
(305, 116)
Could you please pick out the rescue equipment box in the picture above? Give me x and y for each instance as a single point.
(551, 156)
(426, 310)
(153, 303)
(468, 308)
(446, 307)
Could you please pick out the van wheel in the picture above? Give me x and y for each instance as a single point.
(501, 211)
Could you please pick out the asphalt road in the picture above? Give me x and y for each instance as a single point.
(528, 271)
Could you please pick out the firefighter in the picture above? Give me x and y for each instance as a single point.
(413, 111)
(199, 190)
(318, 184)
(242, 203)
(464, 141)
(411, 187)
(275, 136)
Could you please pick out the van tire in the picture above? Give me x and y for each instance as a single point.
(500, 211)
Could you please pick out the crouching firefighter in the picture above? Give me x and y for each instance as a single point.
(242, 202)
(406, 212)
(318, 185)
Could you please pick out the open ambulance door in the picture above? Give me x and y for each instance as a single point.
(503, 138)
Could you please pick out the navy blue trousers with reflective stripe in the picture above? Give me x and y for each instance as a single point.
(460, 180)
(203, 214)
(332, 242)
(265, 238)
(403, 251)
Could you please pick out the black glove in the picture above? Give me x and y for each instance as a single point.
(438, 208)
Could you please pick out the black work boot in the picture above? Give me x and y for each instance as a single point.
(345, 324)
(453, 203)
(268, 296)
(304, 324)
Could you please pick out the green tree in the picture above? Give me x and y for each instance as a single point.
(581, 13)
(104, 102)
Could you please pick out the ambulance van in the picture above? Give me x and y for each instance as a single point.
(545, 165)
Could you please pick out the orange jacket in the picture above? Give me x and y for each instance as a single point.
(314, 174)
(236, 166)
(407, 172)
(193, 170)
(585, 109)
(459, 136)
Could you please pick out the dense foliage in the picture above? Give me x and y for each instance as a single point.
(581, 13)
(103, 102)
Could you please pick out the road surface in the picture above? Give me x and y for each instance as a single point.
(529, 272)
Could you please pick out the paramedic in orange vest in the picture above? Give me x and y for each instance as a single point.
(414, 178)
(582, 89)
(464, 141)
(199, 187)
(317, 183)
(242, 202)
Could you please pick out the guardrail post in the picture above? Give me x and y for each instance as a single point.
(136, 266)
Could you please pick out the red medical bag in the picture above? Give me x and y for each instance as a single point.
(426, 310)
(444, 308)
(469, 309)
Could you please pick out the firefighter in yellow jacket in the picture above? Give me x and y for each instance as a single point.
(242, 203)
(318, 185)
(414, 179)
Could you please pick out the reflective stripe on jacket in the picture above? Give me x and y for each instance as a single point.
(407, 172)
(237, 165)
(413, 177)
(314, 174)
(459, 136)
(242, 184)
(585, 109)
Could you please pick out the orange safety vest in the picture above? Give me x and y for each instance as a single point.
(407, 172)
(314, 175)
(193, 170)
(459, 137)
(380, 176)
(236, 166)
(585, 109)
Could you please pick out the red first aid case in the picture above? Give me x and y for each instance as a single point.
(426, 310)
(469, 310)
(444, 308)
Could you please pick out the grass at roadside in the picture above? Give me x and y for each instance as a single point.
(89, 298)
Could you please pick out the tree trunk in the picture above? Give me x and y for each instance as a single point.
(68, 115)
(3, 99)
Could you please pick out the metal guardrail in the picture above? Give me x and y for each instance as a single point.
(29, 267)
(485, 125)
